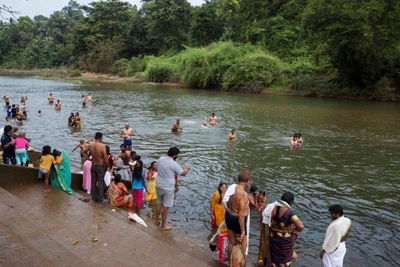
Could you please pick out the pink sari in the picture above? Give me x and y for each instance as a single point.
(87, 177)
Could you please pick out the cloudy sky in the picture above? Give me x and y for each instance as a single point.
(32, 8)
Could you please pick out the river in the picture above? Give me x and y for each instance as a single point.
(351, 153)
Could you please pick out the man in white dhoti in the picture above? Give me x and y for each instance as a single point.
(334, 247)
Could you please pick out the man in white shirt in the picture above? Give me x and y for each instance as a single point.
(165, 184)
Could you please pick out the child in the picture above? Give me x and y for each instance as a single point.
(138, 183)
(46, 161)
(21, 144)
(262, 198)
(82, 144)
(151, 177)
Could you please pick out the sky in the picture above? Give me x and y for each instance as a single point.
(32, 8)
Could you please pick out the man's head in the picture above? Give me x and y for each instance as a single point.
(123, 147)
(98, 136)
(233, 131)
(13, 105)
(83, 96)
(7, 119)
(8, 130)
(77, 114)
(126, 126)
(82, 141)
(72, 114)
(178, 121)
(133, 155)
(51, 94)
(244, 177)
(288, 198)
(253, 190)
(212, 114)
(58, 100)
(39, 112)
(336, 211)
(173, 152)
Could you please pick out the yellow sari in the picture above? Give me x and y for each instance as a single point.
(152, 185)
(218, 209)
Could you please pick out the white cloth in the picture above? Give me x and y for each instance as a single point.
(335, 232)
(267, 212)
(229, 192)
(335, 259)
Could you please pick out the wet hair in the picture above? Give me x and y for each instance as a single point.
(336, 209)
(212, 113)
(39, 111)
(13, 105)
(133, 153)
(108, 150)
(83, 95)
(98, 136)
(117, 178)
(220, 191)
(244, 176)
(299, 135)
(178, 120)
(151, 164)
(123, 145)
(72, 114)
(7, 129)
(77, 114)
(233, 130)
(46, 150)
(253, 189)
(24, 112)
(137, 172)
(288, 197)
(173, 151)
(262, 193)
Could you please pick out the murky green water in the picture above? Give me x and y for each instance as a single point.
(351, 153)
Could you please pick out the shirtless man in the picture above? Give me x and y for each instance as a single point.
(99, 165)
(50, 98)
(7, 100)
(127, 134)
(125, 156)
(213, 120)
(232, 135)
(58, 105)
(82, 144)
(176, 126)
(253, 198)
(84, 100)
(23, 100)
(89, 98)
(236, 214)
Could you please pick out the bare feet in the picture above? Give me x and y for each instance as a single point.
(46, 190)
(165, 227)
(157, 223)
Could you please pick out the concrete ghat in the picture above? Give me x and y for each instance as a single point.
(37, 229)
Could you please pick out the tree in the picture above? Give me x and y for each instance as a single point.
(360, 36)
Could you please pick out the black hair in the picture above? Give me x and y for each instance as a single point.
(151, 164)
(72, 114)
(123, 145)
(253, 188)
(336, 209)
(46, 150)
(7, 129)
(138, 157)
(288, 197)
(117, 178)
(98, 136)
(77, 113)
(262, 193)
(39, 111)
(133, 153)
(137, 172)
(299, 135)
(220, 192)
(108, 150)
(173, 151)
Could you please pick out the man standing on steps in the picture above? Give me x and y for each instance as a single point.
(99, 166)
(165, 184)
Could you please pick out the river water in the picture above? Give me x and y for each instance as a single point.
(350, 155)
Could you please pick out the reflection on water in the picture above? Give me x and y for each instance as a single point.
(350, 155)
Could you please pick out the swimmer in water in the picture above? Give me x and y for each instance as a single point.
(176, 126)
(50, 98)
(78, 120)
(7, 100)
(82, 144)
(58, 105)
(127, 134)
(213, 120)
(83, 100)
(25, 116)
(23, 99)
(39, 113)
(294, 140)
(89, 98)
(232, 135)
(299, 139)
(71, 120)
(19, 116)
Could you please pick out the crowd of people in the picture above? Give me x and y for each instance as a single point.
(122, 181)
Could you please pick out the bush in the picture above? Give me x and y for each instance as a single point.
(135, 65)
(137, 78)
(119, 67)
(75, 73)
(159, 71)
(253, 72)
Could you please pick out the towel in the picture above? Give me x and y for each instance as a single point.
(266, 214)
(336, 230)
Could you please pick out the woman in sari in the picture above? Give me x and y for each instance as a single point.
(278, 233)
(217, 208)
(118, 194)
(151, 177)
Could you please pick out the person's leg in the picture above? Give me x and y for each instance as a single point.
(159, 205)
(164, 219)
(93, 184)
(100, 192)
(46, 182)
(168, 202)
(232, 242)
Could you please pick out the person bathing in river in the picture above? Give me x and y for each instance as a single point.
(262, 198)
(18, 115)
(294, 140)
(232, 135)
(71, 120)
(6, 100)
(50, 99)
(77, 120)
(82, 144)
(176, 126)
(23, 99)
(89, 98)
(253, 198)
(299, 139)
(84, 100)
(58, 105)
(127, 134)
(125, 157)
(213, 120)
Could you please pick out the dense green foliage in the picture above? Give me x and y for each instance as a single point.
(309, 47)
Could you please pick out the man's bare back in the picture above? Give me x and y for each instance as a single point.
(238, 201)
(98, 152)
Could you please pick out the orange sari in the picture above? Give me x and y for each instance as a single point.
(117, 195)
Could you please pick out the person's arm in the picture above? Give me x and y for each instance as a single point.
(344, 238)
(74, 149)
(84, 152)
(89, 140)
(144, 183)
(242, 214)
(149, 175)
(9, 144)
(122, 134)
(299, 226)
(252, 202)
(133, 133)
(186, 170)
(212, 205)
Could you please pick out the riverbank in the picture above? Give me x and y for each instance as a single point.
(383, 94)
